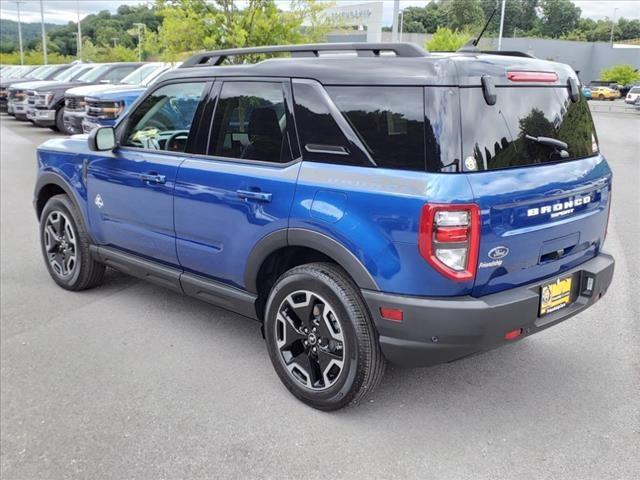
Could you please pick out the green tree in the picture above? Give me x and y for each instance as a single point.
(558, 17)
(447, 40)
(622, 74)
(425, 19)
(464, 14)
(192, 25)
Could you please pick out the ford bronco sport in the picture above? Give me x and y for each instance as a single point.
(364, 202)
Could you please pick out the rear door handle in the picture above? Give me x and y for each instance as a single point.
(251, 195)
(153, 178)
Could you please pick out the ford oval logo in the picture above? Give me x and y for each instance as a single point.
(498, 252)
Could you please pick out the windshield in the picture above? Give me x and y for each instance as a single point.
(43, 72)
(526, 126)
(67, 73)
(142, 74)
(94, 74)
(35, 72)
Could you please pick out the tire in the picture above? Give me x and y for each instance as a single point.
(321, 297)
(65, 246)
(59, 127)
(600, 97)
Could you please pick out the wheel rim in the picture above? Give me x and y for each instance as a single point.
(60, 244)
(310, 340)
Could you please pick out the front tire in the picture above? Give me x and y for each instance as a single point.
(65, 246)
(321, 338)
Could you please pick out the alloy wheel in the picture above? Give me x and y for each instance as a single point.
(60, 244)
(310, 340)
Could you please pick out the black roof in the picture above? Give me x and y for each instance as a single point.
(412, 66)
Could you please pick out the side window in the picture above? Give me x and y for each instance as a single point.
(388, 120)
(322, 139)
(163, 120)
(250, 122)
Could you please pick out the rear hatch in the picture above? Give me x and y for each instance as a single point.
(533, 163)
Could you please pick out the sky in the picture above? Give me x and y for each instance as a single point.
(62, 11)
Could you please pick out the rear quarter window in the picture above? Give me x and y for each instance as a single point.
(389, 122)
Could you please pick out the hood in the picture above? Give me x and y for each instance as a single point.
(119, 93)
(89, 90)
(7, 83)
(29, 85)
(60, 86)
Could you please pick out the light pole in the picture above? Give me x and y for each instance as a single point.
(20, 34)
(613, 24)
(401, 23)
(394, 25)
(501, 25)
(140, 27)
(44, 34)
(79, 50)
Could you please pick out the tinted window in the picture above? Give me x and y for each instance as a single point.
(163, 120)
(496, 136)
(388, 120)
(442, 129)
(250, 122)
(319, 132)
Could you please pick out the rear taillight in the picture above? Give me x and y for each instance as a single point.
(449, 237)
(525, 76)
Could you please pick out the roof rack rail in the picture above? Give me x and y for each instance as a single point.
(216, 57)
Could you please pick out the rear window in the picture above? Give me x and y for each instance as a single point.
(500, 136)
(635, 90)
(389, 122)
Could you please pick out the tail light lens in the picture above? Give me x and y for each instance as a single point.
(525, 76)
(449, 238)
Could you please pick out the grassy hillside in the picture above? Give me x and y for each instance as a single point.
(30, 34)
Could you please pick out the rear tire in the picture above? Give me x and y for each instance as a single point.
(65, 246)
(320, 337)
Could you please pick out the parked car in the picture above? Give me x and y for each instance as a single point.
(353, 205)
(49, 110)
(22, 74)
(634, 93)
(76, 105)
(604, 93)
(17, 98)
(586, 92)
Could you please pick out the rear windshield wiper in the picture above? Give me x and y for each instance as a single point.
(558, 145)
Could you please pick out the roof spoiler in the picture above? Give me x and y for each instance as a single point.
(217, 57)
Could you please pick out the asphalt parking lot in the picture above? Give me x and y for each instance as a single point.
(133, 381)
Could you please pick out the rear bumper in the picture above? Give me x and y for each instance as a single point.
(439, 330)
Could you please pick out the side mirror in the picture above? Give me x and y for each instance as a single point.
(102, 139)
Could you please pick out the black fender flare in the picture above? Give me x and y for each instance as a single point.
(300, 237)
(50, 178)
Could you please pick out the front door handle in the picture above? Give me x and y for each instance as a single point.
(153, 178)
(251, 195)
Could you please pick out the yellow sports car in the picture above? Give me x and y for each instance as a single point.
(604, 93)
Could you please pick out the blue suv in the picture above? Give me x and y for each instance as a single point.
(364, 202)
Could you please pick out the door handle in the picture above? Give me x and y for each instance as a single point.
(250, 195)
(153, 178)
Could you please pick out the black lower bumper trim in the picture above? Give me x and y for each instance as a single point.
(438, 330)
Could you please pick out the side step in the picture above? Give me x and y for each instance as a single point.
(175, 279)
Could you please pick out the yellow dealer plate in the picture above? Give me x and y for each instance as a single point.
(554, 296)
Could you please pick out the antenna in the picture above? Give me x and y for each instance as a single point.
(472, 45)
(475, 42)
